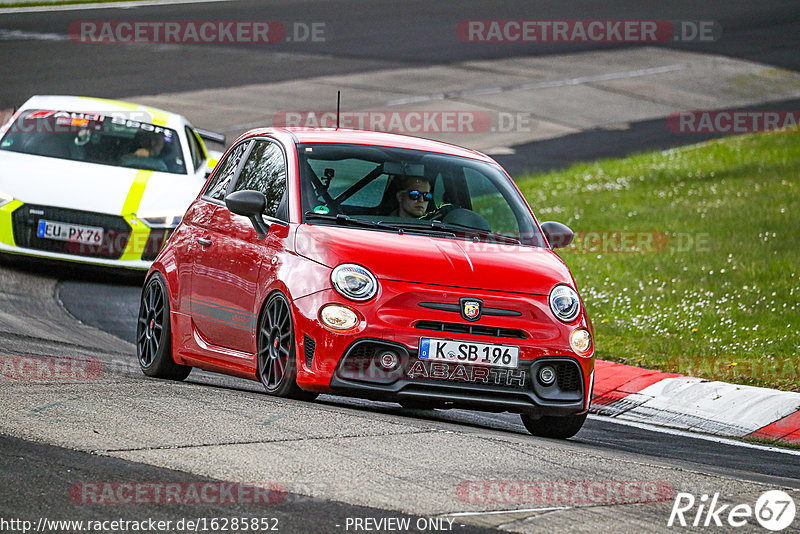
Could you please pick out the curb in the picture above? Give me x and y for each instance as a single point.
(696, 404)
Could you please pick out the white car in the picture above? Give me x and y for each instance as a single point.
(97, 181)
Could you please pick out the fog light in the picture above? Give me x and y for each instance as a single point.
(547, 375)
(580, 340)
(389, 360)
(338, 317)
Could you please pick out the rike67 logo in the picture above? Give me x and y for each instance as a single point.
(774, 510)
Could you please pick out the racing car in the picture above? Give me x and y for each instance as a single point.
(97, 181)
(372, 265)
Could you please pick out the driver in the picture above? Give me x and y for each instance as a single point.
(413, 196)
(150, 145)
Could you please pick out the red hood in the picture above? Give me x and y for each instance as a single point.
(438, 261)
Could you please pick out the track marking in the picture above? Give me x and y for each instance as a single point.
(498, 512)
(104, 5)
(686, 433)
(19, 35)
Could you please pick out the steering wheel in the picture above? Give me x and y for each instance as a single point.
(439, 213)
(467, 219)
(149, 164)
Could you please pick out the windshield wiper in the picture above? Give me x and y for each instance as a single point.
(343, 219)
(401, 228)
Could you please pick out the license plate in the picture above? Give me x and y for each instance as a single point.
(447, 350)
(74, 233)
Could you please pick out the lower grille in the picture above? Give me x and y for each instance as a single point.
(568, 376)
(309, 345)
(472, 329)
(116, 231)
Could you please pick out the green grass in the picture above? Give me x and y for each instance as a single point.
(716, 292)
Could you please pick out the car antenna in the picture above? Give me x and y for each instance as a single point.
(338, 105)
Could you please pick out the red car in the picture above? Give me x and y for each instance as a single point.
(372, 265)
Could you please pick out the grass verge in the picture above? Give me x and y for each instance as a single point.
(688, 259)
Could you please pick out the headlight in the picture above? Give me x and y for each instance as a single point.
(580, 340)
(338, 317)
(163, 221)
(354, 282)
(5, 198)
(564, 303)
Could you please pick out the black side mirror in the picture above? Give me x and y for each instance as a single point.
(557, 234)
(250, 204)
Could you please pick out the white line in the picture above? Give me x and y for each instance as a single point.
(498, 512)
(19, 35)
(686, 433)
(539, 85)
(102, 5)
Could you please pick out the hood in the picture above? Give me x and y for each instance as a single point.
(433, 260)
(89, 187)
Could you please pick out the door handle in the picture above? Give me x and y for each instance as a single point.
(203, 242)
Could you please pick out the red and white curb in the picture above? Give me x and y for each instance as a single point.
(697, 404)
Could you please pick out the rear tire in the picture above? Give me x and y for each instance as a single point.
(153, 333)
(277, 361)
(554, 427)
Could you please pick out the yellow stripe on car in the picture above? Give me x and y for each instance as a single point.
(118, 103)
(139, 231)
(6, 227)
(159, 117)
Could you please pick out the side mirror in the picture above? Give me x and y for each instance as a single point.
(250, 204)
(557, 234)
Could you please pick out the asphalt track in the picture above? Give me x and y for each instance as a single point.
(360, 36)
(395, 34)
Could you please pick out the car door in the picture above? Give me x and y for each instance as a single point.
(235, 260)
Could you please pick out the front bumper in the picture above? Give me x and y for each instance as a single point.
(346, 363)
(453, 384)
(128, 243)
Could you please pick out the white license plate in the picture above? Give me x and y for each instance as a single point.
(447, 350)
(74, 233)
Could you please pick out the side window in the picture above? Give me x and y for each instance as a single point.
(194, 148)
(265, 171)
(227, 169)
(488, 202)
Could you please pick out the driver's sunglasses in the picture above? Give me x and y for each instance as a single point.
(415, 194)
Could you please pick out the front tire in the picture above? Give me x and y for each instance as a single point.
(153, 333)
(554, 427)
(277, 362)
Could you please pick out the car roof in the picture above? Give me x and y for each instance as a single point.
(87, 104)
(365, 137)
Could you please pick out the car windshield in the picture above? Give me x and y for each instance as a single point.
(391, 189)
(95, 138)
